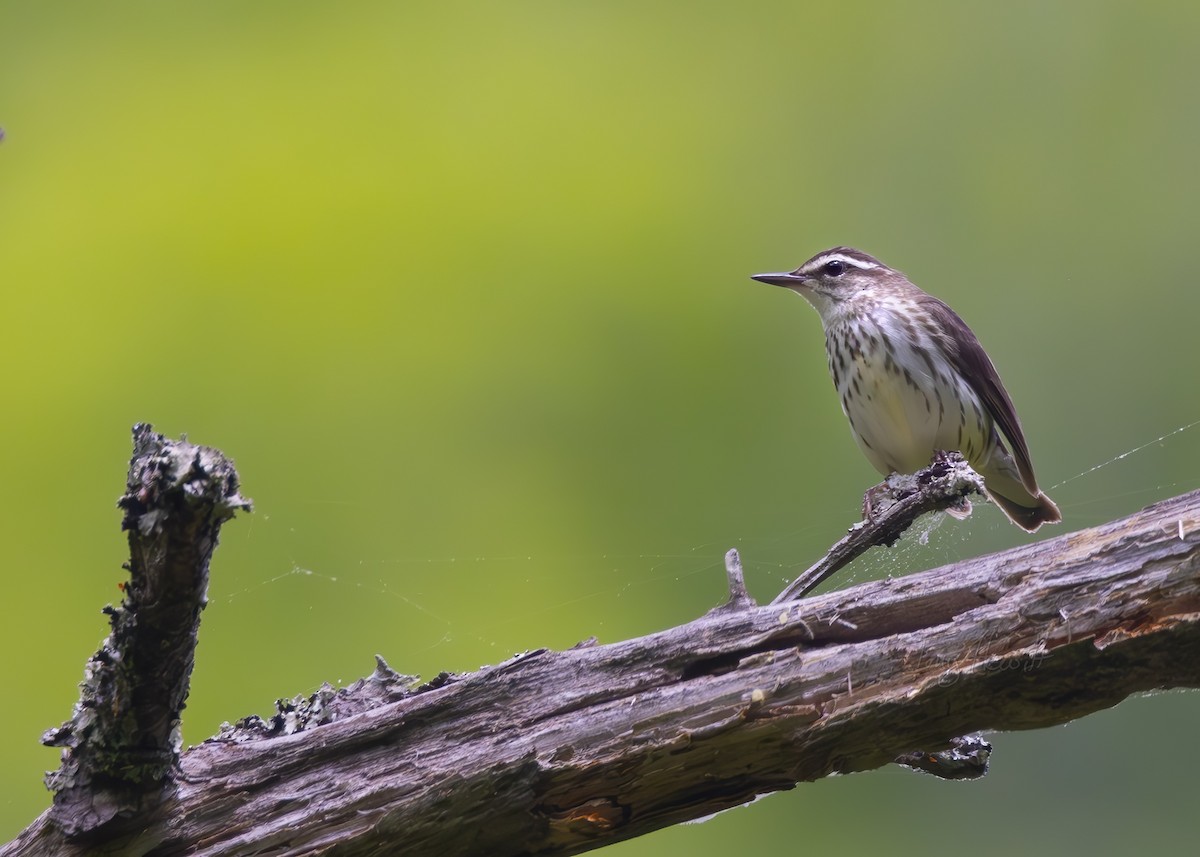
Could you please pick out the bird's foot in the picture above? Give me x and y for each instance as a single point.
(886, 494)
(871, 500)
(898, 486)
(943, 462)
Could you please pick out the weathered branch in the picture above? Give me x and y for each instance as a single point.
(900, 500)
(121, 745)
(561, 752)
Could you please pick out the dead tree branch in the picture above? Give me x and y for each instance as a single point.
(900, 500)
(121, 745)
(562, 752)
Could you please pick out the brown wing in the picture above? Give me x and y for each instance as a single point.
(972, 361)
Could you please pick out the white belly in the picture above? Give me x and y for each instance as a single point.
(904, 403)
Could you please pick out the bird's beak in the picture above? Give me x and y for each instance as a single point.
(785, 280)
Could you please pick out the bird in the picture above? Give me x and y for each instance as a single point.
(914, 381)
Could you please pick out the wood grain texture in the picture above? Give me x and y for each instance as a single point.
(561, 752)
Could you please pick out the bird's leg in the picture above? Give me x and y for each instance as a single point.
(885, 494)
(870, 498)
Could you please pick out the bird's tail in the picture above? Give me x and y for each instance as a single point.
(1028, 510)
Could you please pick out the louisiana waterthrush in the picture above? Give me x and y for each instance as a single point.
(913, 379)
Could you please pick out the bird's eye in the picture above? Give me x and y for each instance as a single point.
(834, 268)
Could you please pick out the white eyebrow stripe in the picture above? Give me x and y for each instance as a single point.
(826, 258)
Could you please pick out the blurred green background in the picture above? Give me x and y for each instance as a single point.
(463, 290)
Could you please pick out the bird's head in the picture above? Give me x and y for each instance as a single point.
(830, 279)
